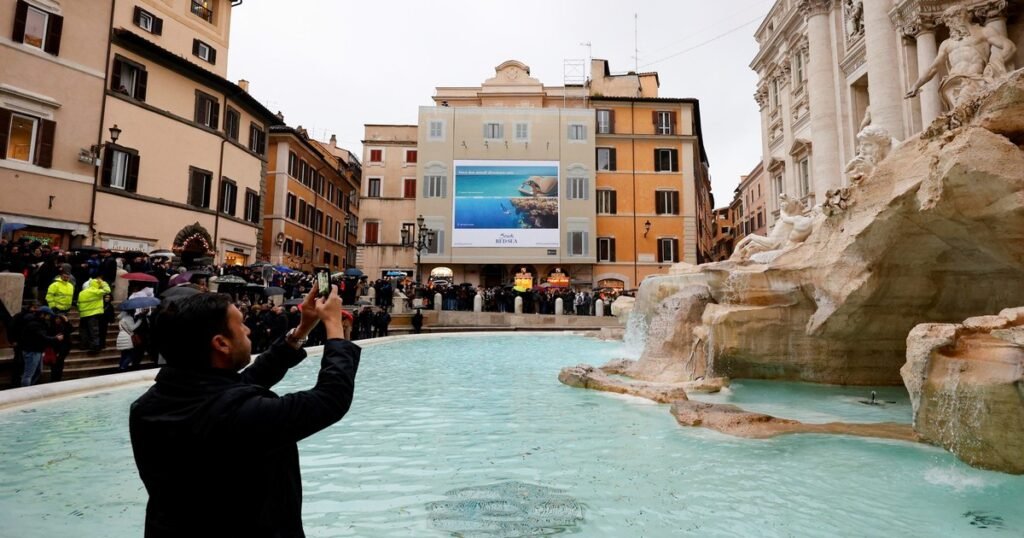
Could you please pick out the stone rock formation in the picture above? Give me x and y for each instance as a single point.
(966, 384)
(934, 235)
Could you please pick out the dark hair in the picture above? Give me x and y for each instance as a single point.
(185, 327)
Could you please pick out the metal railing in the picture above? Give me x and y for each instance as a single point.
(200, 8)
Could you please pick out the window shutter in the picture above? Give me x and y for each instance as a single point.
(20, 19)
(44, 143)
(614, 204)
(195, 47)
(586, 243)
(426, 186)
(661, 252)
(108, 158)
(657, 162)
(654, 119)
(206, 181)
(54, 28)
(158, 26)
(5, 127)
(444, 187)
(195, 188)
(132, 182)
(115, 75)
(213, 55)
(675, 250)
(675, 159)
(611, 121)
(137, 14)
(611, 249)
(611, 159)
(214, 115)
(586, 188)
(675, 202)
(199, 109)
(234, 201)
(439, 241)
(141, 80)
(672, 122)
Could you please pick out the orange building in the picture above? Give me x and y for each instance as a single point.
(724, 234)
(311, 207)
(749, 203)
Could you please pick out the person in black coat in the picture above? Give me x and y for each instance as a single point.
(417, 322)
(63, 327)
(215, 448)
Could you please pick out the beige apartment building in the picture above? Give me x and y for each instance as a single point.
(751, 203)
(724, 234)
(52, 71)
(822, 63)
(309, 209)
(388, 202)
(192, 144)
(507, 182)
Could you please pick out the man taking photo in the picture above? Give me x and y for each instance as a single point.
(216, 448)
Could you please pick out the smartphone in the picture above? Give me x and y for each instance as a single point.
(323, 282)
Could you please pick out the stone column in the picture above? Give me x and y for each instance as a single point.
(927, 50)
(598, 308)
(518, 303)
(821, 95)
(881, 49)
(559, 307)
(438, 301)
(478, 303)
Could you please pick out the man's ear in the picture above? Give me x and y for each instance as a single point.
(221, 344)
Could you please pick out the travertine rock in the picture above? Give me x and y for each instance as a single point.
(967, 387)
(588, 377)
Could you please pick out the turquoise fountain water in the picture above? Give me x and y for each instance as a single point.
(476, 436)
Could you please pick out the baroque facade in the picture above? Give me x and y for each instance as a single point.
(826, 68)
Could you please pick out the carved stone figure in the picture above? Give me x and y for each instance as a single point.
(836, 201)
(972, 61)
(791, 229)
(873, 145)
(854, 18)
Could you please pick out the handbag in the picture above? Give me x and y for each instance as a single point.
(136, 340)
(49, 356)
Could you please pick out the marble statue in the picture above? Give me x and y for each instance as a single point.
(854, 18)
(972, 63)
(791, 228)
(873, 145)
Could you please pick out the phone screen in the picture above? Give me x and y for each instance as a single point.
(323, 281)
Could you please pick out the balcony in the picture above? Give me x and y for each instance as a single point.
(201, 9)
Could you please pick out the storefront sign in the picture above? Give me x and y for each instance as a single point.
(524, 279)
(558, 279)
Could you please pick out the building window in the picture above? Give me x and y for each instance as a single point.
(21, 136)
(327, 257)
(436, 130)
(760, 219)
(288, 246)
(257, 139)
(232, 123)
(147, 21)
(664, 122)
(129, 78)
(337, 230)
(606, 159)
(577, 243)
(204, 51)
(302, 212)
(577, 188)
(775, 93)
(435, 246)
(207, 110)
(228, 197)
(37, 28)
(577, 132)
(410, 156)
(329, 227)
(120, 168)
(605, 121)
(372, 232)
(494, 131)
(666, 202)
(606, 202)
(376, 155)
(777, 181)
(293, 165)
(335, 260)
(373, 188)
(668, 250)
(199, 188)
(798, 70)
(252, 206)
(202, 9)
(805, 176)
(605, 249)
(409, 187)
(522, 132)
(300, 249)
(434, 187)
(290, 206)
(666, 160)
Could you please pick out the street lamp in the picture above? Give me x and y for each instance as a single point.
(115, 133)
(647, 228)
(423, 239)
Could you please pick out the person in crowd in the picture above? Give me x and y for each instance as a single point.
(278, 323)
(109, 316)
(215, 447)
(60, 293)
(14, 333)
(128, 343)
(63, 328)
(417, 322)
(35, 336)
(91, 309)
(381, 321)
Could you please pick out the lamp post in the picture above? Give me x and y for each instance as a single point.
(423, 239)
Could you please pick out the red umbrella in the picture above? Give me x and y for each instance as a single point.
(140, 277)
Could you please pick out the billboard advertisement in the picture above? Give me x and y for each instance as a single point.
(505, 204)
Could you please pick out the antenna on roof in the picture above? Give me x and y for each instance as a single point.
(636, 46)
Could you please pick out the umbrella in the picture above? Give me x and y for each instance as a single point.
(230, 279)
(140, 302)
(259, 264)
(396, 273)
(283, 269)
(352, 271)
(274, 290)
(140, 277)
(132, 254)
(183, 278)
(339, 274)
(179, 292)
(161, 254)
(255, 286)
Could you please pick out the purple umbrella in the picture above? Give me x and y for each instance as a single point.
(180, 279)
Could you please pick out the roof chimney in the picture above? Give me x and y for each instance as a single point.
(334, 141)
(244, 84)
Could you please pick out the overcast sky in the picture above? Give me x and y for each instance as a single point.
(333, 66)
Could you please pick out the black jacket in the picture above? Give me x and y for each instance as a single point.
(217, 449)
(35, 335)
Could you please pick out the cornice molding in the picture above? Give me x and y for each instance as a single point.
(810, 8)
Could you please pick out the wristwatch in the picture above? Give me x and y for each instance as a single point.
(293, 340)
